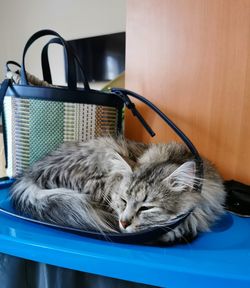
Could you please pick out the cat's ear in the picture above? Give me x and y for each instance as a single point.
(182, 178)
(118, 165)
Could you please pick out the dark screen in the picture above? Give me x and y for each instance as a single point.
(103, 57)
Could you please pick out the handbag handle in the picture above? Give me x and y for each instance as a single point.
(46, 66)
(72, 73)
(10, 62)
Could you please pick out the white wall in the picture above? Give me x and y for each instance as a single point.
(71, 18)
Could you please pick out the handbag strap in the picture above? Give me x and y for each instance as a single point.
(4, 87)
(46, 66)
(123, 94)
(72, 83)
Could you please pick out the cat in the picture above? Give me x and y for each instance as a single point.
(117, 185)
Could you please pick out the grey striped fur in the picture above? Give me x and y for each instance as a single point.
(109, 184)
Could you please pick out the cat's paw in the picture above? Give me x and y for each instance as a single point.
(177, 236)
(168, 237)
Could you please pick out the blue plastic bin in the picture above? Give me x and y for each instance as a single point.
(220, 258)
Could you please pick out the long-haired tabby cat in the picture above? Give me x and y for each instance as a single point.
(117, 185)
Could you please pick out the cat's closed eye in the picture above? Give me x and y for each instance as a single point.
(144, 208)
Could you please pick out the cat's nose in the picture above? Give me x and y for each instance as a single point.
(125, 223)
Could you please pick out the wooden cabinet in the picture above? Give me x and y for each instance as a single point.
(192, 59)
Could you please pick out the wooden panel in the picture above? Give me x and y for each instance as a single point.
(192, 59)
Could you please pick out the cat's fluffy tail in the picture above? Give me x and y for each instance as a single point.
(59, 206)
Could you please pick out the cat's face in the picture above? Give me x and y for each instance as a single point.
(153, 196)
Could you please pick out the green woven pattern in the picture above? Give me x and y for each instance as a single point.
(20, 110)
(36, 127)
(46, 127)
(70, 127)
